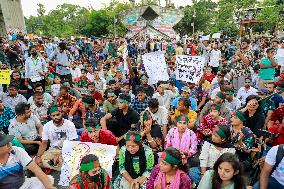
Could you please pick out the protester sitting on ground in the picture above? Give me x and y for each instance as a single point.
(170, 172)
(208, 123)
(66, 101)
(55, 131)
(164, 94)
(12, 97)
(39, 107)
(231, 102)
(246, 91)
(182, 138)
(14, 161)
(6, 114)
(275, 93)
(243, 139)
(135, 163)
(39, 89)
(272, 177)
(266, 104)
(211, 150)
(151, 133)
(278, 131)
(91, 175)
(227, 173)
(218, 100)
(183, 108)
(110, 103)
(94, 133)
(27, 128)
(125, 118)
(140, 102)
(185, 93)
(254, 116)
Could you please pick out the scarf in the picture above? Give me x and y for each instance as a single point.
(161, 180)
(223, 145)
(182, 144)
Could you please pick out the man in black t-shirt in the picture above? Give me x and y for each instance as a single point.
(124, 118)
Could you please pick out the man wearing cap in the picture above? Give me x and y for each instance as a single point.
(55, 131)
(185, 93)
(12, 97)
(125, 118)
(246, 91)
(266, 104)
(13, 161)
(218, 100)
(242, 138)
(94, 133)
(231, 102)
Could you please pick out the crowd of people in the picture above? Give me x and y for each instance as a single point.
(224, 132)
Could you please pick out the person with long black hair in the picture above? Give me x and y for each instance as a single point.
(135, 163)
(170, 173)
(227, 173)
(91, 175)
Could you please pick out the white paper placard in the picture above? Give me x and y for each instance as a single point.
(74, 151)
(189, 68)
(155, 66)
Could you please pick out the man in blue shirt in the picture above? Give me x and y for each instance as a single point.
(185, 93)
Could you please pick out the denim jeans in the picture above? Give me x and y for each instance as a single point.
(195, 174)
(272, 184)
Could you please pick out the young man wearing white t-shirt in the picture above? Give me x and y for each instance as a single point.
(214, 58)
(55, 131)
(13, 162)
(268, 179)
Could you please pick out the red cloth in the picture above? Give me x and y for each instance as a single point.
(278, 114)
(209, 77)
(98, 96)
(106, 137)
(277, 129)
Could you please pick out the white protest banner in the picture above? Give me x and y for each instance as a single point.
(189, 68)
(155, 66)
(74, 151)
(216, 36)
(205, 38)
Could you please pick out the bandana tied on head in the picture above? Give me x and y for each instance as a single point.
(221, 95)
(182, 117)
(220, 132)
(89, 128)
(123, 101)
(89, 166)
(240, 116)
(170, 159)
(133, 137)
(215, 107)
(53, 109)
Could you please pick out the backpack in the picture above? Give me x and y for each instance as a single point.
(279, 157)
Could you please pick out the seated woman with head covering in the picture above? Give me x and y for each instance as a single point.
(135, 163)
(170, 173)
(91, 175)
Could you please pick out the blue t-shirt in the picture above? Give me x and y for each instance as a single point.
(266, 73)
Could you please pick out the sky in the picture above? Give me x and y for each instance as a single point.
(30, 6)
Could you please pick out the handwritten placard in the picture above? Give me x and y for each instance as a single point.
(74, 151)
(216, 36)
(155, 66)
(5, 77)
(189, 68)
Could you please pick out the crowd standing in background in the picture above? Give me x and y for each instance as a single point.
(224, 132)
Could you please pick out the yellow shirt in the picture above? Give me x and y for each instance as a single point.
(192, 115)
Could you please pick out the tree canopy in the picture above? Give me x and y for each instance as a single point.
(207, 16)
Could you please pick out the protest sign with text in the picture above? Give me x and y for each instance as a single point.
(5, 76)
(189, 68)
(155, 66)
(74, 151)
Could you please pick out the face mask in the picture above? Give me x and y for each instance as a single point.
(95, 178)
(34, 53)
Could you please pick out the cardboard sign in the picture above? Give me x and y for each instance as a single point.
(189, 68)
(5, 77)
(74, 151)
